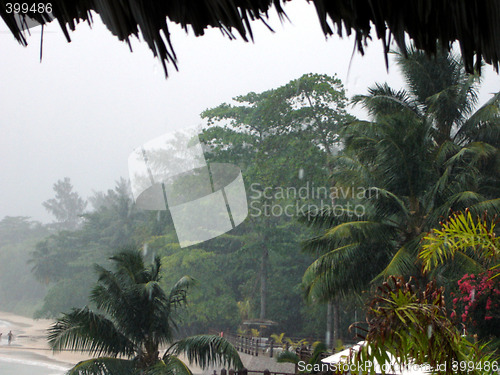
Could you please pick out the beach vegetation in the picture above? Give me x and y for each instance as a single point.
(132, 329)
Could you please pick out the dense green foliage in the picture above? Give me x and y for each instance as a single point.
(472, 240)
(370, 191)
(134, 320)
(281, 139)
(425, 153)
(410, 325)
(19, 290)
(64, 261)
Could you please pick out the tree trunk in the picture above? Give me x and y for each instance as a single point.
(263, 282)
(336, 299)
(328, 335)
(336, 320)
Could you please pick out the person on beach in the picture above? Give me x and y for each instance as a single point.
(10, 335)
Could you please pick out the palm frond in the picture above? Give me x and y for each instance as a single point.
(319, 349)
(206, 350)
(169, 365)
(444, 151)
(463, 262)
(134, 298)
(404, 261)
(86, 331)
(476, 150)
(343, 270)
(108, 294)
(103, 366)
(491, 206)
(129, 265)
(466, 198)
(484, 124)
(329, 217)
(401, 205)
(383, 100)
(460, 233)
(177, 295)
(353, 229)
(334, 258)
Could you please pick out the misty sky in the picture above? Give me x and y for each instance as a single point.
(82, 111)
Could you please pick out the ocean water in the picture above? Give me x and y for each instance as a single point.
(21, 362)
(15, 366)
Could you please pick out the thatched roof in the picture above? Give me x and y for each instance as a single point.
(475, 24)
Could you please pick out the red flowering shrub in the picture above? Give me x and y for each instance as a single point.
(478, 303)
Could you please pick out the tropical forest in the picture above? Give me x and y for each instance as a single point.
(381, 231)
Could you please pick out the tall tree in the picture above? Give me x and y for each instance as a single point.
(67, 206)
(19, 290)
(280, 138)
(321, 104)
(64, 260)
(135, 319)
(424, 153)
(15, 229)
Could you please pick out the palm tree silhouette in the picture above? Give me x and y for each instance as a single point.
(135, 318)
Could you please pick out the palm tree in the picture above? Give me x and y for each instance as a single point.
(134, 320)
(425, 153)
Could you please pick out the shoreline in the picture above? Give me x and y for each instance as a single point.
(29, 346)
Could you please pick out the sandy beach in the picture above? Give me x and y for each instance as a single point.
(29, 346)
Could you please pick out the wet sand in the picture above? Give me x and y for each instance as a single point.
(30, 344)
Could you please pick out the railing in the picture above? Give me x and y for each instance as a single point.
(244, 371)
(250, 345)
(263, 346)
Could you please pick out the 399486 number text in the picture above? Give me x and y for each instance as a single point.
(28, 8)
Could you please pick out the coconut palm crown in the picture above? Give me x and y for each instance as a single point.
(426, 153)
(134, 319)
